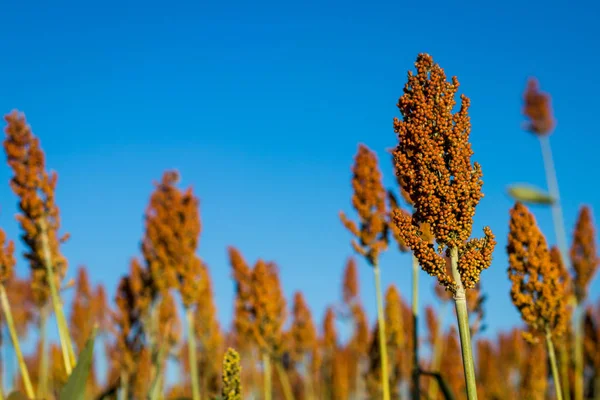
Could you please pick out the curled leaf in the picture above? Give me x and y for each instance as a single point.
(529, 194)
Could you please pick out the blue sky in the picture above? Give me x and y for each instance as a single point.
(261, 106)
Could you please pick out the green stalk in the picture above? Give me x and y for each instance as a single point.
(561, 240)
(437, 352)
(266, 360)
(192, 354)
(385, 381)
(578, 358)
(563, 356)
(15, 341)
(553, 364)
(285, 381)
(416, 386)
(464, 329)
(43, 384)
(63, 330)
(124, 389)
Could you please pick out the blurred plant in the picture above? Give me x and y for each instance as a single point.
(304, 337)
(232, 384)
(433, 161)
(537, 290)
(7, 274)
(371, 234)
(40, 222)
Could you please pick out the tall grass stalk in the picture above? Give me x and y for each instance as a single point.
(267, 385)
(192, 354)
(43, 383)
(416, 387)
(553, 364)
(385, 381)
(561, 240)
(464, 329)
(15, 341)
(285, 381)
(63, 330)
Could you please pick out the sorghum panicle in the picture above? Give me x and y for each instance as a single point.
(303, 331)
(584, 255)
(537, 290)
(7, 259)
(39, 212)
(268, 307)
(537, 109)
(171, 238)
(433, 164)
(369, 201)
(232, 383)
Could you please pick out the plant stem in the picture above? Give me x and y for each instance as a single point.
(124, 390)
(45, 356)
(553, 364)
(192, 354)
(561, 240)
(63, 332)
(266, 361)
(15, 341)
(460, 301)
(285, 381)
(385, 381)
(578, 348)
(416, 386)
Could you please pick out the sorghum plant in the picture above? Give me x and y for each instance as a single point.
(40, 221)
(537, 290)
(232, 383)
(7, 274)
(433, 161)
(371, 234)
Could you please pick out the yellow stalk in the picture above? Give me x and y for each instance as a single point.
(285, 381)
(192, 354)
(266, 361)
(385, 381)
(416, 386)
(63, 331)
(464, 329)
(15, 341)
(553, 364)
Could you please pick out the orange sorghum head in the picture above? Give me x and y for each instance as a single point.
(39, 214)
(433, 162)
(242, 318)
(329, 331)
(303, 331)
(584, 255)
(369, 201)
(393, 319)
(396, 208)
(171, 237)
(7, 258)
(350, 288)
(537, 109)
(206, 324)
(537, 290)
(268, 307)
(565, 277)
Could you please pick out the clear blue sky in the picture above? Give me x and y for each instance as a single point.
(261, 106)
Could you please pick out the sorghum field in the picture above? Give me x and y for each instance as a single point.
(163, 314)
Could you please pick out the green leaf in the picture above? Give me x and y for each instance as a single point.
(17, 396)
(74, 389)
(530, 194)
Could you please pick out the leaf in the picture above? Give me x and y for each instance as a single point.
(74, 389)
(530, 194)
(17, 396)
